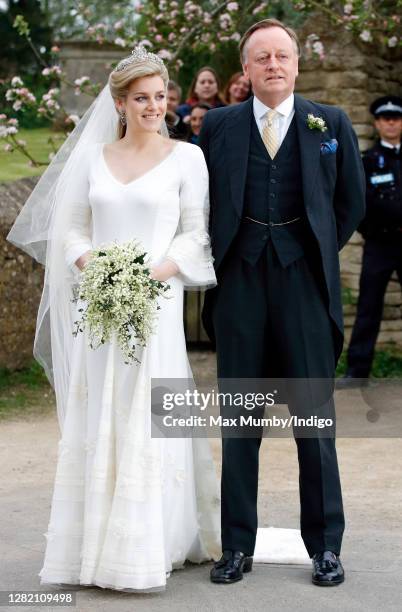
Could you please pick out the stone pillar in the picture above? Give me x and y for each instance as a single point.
(79, 59)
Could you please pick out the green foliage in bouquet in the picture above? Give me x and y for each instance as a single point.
(117, 295)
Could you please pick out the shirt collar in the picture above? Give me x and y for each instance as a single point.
(284, 108)
(388, 145)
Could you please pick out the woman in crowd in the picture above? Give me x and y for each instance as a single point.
(204, 89)
(237, 89)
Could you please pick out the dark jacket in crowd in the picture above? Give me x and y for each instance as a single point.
(178, 130)
(185, 109)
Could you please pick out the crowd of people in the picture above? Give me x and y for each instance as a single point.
(184, 119)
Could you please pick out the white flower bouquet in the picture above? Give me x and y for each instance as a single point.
(118, 296)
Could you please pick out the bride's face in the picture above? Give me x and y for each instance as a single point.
(145, 104)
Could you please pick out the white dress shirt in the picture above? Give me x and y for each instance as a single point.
(282, 121)
(388, 145)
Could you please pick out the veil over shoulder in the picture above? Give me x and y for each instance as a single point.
(38, 230)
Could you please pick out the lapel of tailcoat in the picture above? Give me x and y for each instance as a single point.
(309, 144)
(237, 143)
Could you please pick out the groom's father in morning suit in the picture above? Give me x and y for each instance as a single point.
(286, 195)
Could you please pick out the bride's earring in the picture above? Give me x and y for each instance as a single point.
(123, 119)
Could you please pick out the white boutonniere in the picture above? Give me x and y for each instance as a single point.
(316, 123)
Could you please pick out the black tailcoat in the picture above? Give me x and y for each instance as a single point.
(333, 187)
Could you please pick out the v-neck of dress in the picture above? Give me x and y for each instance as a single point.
(138, 178)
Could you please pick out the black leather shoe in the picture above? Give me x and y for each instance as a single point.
(231, 566)
(327, 569)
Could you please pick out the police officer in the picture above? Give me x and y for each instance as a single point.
(382, 231)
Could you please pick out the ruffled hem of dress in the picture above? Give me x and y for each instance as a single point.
(65, 583)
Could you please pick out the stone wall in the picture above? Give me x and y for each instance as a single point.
(21, 280)
(351, 77)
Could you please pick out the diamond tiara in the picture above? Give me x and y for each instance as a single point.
(138, 54)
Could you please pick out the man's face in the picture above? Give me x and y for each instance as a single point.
(389, 127)
(271, 63)
(173, 100)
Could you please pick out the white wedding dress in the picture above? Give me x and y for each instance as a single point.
(128, 508)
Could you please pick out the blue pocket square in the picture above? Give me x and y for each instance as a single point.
(329, 146)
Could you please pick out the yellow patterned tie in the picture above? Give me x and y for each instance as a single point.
(270, 134)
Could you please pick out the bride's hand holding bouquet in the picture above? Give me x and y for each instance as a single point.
(118, 294)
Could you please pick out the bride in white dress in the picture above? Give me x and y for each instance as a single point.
(128, 508)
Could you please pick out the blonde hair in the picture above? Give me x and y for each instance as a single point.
(120, 80)
(264, 24)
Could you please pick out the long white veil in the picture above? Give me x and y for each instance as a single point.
(39, 230)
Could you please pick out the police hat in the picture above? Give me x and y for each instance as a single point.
(387, 105)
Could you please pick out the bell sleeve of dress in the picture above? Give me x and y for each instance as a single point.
(77, 237)
(190, 248)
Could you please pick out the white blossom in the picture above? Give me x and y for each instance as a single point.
(165, 54)
(225, 21)
(16, 82)
(366, 36)
(81, 81)
(259, 8)
(318, 48)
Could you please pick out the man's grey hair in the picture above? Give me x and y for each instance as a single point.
(264, 24)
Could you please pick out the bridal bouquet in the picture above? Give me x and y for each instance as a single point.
(118, 297)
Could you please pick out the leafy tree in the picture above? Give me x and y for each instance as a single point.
(18, 56)
(24, 56)
(70, 19)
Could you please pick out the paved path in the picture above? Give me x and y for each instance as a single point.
(371, 471)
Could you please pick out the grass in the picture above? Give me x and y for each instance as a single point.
(14, 166)
(348, 297)
(25, 393)
(387, 363)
